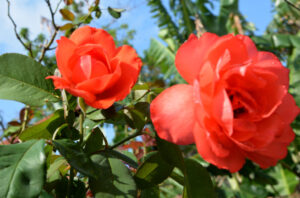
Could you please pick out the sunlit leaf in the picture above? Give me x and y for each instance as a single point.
(67, 14)
(22, 170)
(115, 180)
(23, 79)
(45, 128)
(76, 157)
(115, 12)
(154, 170)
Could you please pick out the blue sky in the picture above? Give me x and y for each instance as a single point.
(27, 13)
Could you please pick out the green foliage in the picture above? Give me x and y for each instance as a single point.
(76, 157)
(45, 129)
(114, 12)
(22, 169)
(23, 79)
(154, 170)
(115, 180)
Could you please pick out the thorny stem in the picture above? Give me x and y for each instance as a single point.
(199, 26)
(81, 120)
(237, 23)
(70, 182)
(285, 165)
(65, 103)
(147, 92)
(137, 133)
(24, 121)
(293, 5)
(56, 28)
(57, 7)
(105, 142)
(27, 47)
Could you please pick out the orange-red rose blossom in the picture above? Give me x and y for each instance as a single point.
(93, 68)
(235, 106)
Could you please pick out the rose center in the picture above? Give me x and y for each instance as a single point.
(238, 106)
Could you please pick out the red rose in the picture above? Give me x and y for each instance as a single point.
(94, 69)
(235, 106)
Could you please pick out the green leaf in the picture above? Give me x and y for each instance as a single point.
(115, 180)
(44, 194)
(144, 86)
(66, 26)
(94, 114)
(153, 171)
(94, 141)
(287, 181)
(197, 180)
(114, 12)
(150, 192)
(53, 172)
(67, 14)
(11, 130)
(76, 157)
(121, 156)
(45, 129)
(23, 79)
(162, 57)
(249, 189)
(171, 153)
(22, 169)
(281, 40)
(98, 12)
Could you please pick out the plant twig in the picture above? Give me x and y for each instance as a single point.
(25, 118)
(57, 6)
(285, 165)
(56, 28)
(70, 184)
(81, 132)
(27, 47)
(293, 5)
(137, 133)
(52, 14)
(237, 23)
(199, 26)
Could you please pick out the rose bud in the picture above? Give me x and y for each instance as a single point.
(93, 68)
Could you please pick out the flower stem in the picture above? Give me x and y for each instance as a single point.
(70, 184)
(81, 120)
(137, 133)
(24, 121)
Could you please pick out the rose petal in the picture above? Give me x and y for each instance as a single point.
(243, 130)
(288, 110)
(65, 50)
(250, 45)
(236, 47)
(101, 103)
(275, 151)
(172, 113)
(233, 161)
(59, 83)
(123, 86)
(90, 35)
(269, 62)
(190, 56)
(89, 61)
(222, 110)
(99, 84)
(129, 56)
